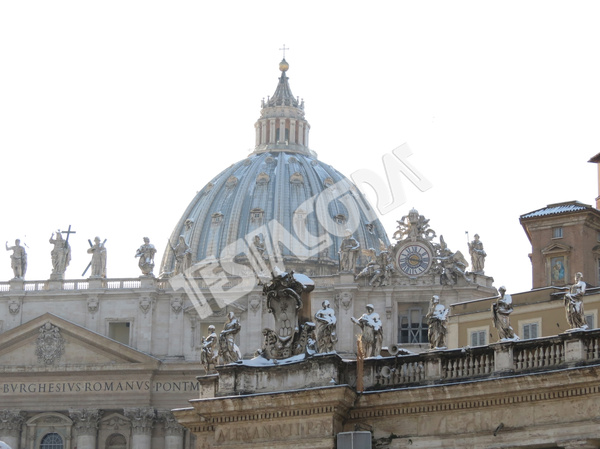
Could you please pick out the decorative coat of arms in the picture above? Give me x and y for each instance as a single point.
(284, 300)
(50, 344)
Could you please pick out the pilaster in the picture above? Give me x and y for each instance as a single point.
(142, 422)
(85, 422)
(173, 430)
(11, 422)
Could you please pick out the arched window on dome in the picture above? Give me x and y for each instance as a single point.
(52, 441)
(217, 218)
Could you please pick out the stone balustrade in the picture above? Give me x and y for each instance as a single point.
(501, 359)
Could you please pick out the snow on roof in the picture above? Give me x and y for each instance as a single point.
(555, 209)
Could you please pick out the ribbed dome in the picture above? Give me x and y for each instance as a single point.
(280, 195)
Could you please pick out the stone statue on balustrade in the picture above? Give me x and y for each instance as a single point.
(574, 304)
(18, 259)
(146, 254)
(209, 353)
(284, 300)
(98, 263)
(349, 249)
(501, 311)
(437, 319)
(61, 255)
(183, 256)
(478, 255)
(326, 328)
(371, 337)
(228, 350)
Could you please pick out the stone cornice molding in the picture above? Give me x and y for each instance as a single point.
(330, 401)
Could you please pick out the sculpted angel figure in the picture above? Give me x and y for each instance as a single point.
(372, 332)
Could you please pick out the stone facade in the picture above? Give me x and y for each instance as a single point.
(540, 393)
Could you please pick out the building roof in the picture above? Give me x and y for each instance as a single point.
(557, 209)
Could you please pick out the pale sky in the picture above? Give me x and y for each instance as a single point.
(113, 114)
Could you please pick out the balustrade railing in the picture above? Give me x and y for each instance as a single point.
(496, 360)
(538, 354)
(465, 363)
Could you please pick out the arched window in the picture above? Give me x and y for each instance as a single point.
(52, 441)
(116, 441)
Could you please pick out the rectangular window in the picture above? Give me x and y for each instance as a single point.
(478, 338)
(530, 330)
(589, 319)
(119, 331)
(557, 232)
(412, 327)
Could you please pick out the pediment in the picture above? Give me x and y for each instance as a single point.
(556, 248)
(49, 341)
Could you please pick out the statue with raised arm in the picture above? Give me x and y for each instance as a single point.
(478, 255)
(18, 259)
(228, 350)
(501, 311)
(437, 319)
(61, 254)
(146, 254)
(326, 328)
(98, 263)
(349, 249)
(209, 352)
(372, 332)
(574, 304)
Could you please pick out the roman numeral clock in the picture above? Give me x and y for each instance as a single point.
(414, 258)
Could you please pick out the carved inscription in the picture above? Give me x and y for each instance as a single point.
(274, 431)
(15, 388)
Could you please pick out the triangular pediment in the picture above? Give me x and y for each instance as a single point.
(556, 248)
(49, 341)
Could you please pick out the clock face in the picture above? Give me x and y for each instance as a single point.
(414, 259)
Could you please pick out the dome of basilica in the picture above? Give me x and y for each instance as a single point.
(279, 206)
